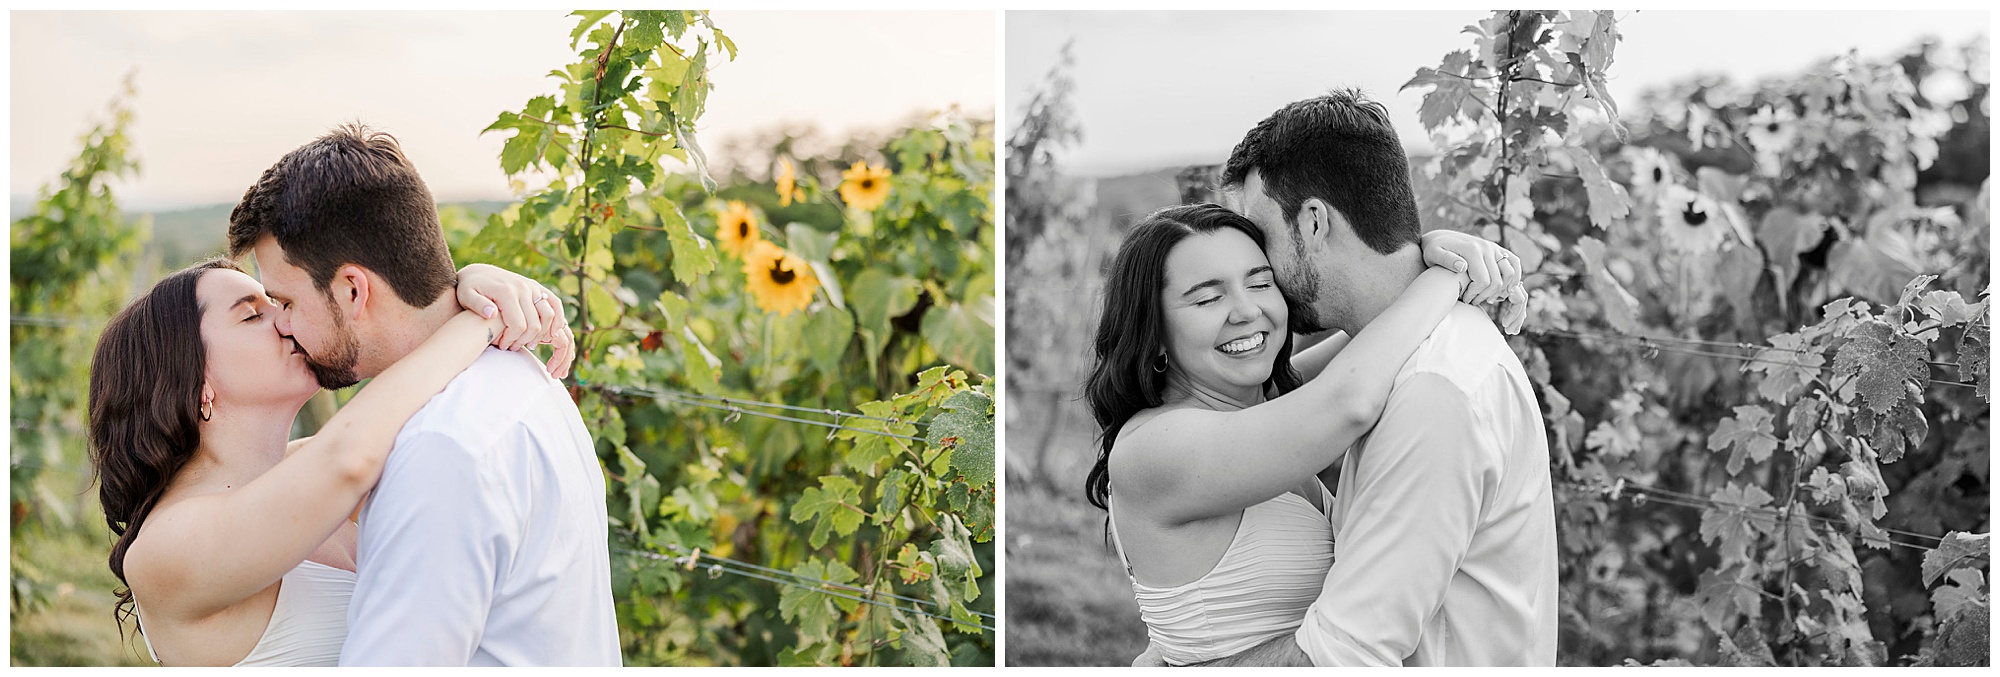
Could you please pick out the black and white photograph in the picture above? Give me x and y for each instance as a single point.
(1497, 338)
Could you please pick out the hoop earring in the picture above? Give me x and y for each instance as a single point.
(1160, 365)
(206, 410)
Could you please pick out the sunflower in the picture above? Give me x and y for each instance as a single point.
(864, 188)
(788, 190)
(1693, 222)
(1772, 131)
(736, 229)
(780, 281)
(1651, 171)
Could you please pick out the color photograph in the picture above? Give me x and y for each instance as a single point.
(1508, 338)
(544, 338)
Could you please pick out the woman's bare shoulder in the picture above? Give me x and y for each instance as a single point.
(1138, 450)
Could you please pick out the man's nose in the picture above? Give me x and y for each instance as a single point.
(284, 323)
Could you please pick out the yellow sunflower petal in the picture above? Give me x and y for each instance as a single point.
(864, 188)
(786, 181)
(736, 229)
(780, 282)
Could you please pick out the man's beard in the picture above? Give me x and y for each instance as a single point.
(335, 368)
(1301, 290)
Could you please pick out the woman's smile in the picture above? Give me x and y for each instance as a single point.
(1248, 346)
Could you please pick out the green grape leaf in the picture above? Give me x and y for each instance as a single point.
(1612, 440)
(1864, 482)
(963, 333)
(702, 365)
(692, 255)
(1788, 366)
(1950, 309)
(923, 645)
(828, 332)
(1785, 233)
(811, 244)
(1837, 565)
(1826, 487)
(1454, 93)
(890, 496)
(979, 516)
(1745, 435)
(966, 427)
(1608, 202)
(912, 565)
(958, 496)
(1735, 523)
(590, 18)
(953, 550)
(1961, 591)
(1973, 352)
(1893, 433)
(836, 505)
(644, 31)
(1958, 550)
(1620, 308)
(878, 297)
(1889, 364)
(812, 611)
(1726, 593)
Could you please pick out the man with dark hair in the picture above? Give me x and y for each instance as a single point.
(1446, 547)
(484, 542)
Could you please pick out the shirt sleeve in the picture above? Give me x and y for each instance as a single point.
(1417, 492)
(433, 539)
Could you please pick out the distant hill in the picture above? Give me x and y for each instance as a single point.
(183, 236)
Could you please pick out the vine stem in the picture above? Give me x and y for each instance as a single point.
(1508, 65)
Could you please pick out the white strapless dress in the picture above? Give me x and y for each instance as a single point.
(308, 623)
(1272, 571)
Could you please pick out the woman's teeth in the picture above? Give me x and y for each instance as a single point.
(1243, 345)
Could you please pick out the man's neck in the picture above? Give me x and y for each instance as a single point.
(1376, 282)
(405, 328)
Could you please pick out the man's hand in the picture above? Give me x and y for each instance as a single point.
(1151, 658)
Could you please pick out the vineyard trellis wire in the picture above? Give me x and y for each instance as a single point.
(690, 558)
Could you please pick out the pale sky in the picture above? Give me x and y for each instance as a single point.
(1155, 89)
(224, 94)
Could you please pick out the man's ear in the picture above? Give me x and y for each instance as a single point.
(352, 287)
(1320, 222)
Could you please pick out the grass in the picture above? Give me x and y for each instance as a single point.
(66, 620)
(1068, 600)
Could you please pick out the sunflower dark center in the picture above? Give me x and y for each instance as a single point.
(1772, 128)
(1694, 217)
(781, 275)
(1659, 174)
(867, 184)
(743, 229)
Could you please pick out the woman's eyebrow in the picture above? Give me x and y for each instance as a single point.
(1198, 286)
(1266, 268)
(247, 298)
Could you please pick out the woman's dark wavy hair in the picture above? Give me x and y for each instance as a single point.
(145, 401)
(1132, 328)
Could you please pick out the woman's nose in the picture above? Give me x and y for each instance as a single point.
(1241, 310)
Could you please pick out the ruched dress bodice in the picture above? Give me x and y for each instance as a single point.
(1262, 586)
(308, 622)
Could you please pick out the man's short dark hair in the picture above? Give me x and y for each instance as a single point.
(1339, 148)
(349, 197)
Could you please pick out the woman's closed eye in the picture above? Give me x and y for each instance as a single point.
(253, 318)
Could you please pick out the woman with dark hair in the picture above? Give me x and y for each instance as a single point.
(1214, 437)
(235, 546)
